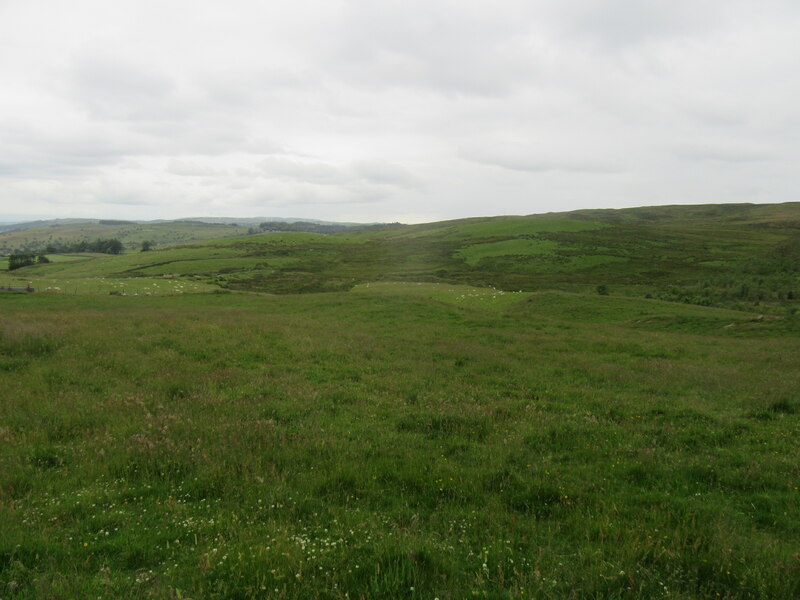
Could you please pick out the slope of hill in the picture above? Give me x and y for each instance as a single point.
(730, 255)
(470, 419)
(786, 215)
(43, 223)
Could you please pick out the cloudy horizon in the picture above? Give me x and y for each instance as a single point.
(365, 111)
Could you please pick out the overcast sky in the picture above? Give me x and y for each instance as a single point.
(394, 110)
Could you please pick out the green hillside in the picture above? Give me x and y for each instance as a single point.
(786, 215)
(585, 406)
(739, 256)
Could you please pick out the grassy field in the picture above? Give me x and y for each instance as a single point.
(474, 409)
(460, 295)
(396, 442)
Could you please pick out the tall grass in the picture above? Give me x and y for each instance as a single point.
(390, 445)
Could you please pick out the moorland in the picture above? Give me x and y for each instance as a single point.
(597, 404)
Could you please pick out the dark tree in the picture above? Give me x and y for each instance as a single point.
(17, 261)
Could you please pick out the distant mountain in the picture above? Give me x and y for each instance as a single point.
(44, 223)
(246, 221)
(258, 220)
(38, 236)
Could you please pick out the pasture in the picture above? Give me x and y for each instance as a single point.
(396, 441)
(595, 405)
(737, 256)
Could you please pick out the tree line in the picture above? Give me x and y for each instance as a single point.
(109, 246)
(17, 260)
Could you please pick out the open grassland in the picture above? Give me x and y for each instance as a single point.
(396, 441)
(746, 266)
(461, 295)
(453, 420)
(93, 286)
(734, 256)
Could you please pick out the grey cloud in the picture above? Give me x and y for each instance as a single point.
(186, 168)
(718, 114)
(116, 88)
(411, 106)
(306, 172)
(308, 194)
(623, 24)
(249, 88)
(210, 137)
(370, 173)
(723, 153)
(432, 46)
(125, 197)
(384, 173)
(542, 159)
(147, 103)
(349, 195)
(259, 145)
(40, 153)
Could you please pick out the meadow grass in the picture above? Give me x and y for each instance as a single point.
(93, 286)
(473, 253)
(514, 226)
(461, 295)
(392, 442)
(460, 424)
(205, 266)
(62, 258)
(533, 255)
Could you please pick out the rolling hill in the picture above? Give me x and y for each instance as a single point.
(494, 408)
(742, 256)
